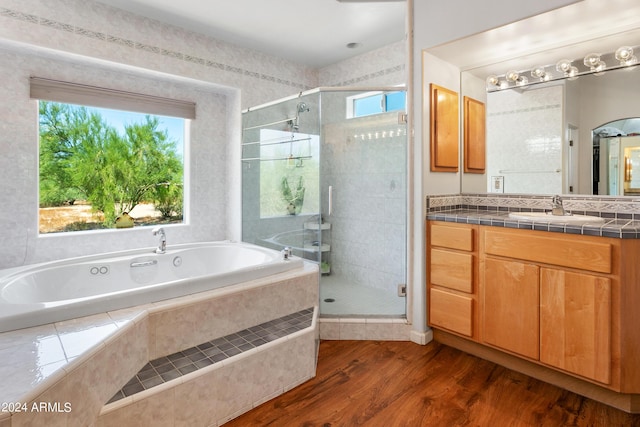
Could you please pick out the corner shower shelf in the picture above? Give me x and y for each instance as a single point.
(316, 226)
(317, 248)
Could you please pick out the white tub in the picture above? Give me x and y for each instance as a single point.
(49, 292)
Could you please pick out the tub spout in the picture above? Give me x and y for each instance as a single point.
(162, 244)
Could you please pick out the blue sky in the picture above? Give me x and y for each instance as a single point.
(118, 119)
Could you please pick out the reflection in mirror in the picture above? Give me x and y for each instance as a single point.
(540, 137)
(616, 154)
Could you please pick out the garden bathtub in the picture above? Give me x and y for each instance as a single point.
(49, 292)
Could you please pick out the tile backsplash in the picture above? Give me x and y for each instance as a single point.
(605, 206)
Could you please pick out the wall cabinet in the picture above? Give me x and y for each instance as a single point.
(566, 303)
(474, 136)
(444, 129)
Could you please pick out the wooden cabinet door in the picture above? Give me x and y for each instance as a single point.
(575, 323)
(451, 311)
(474, 136)
(444, 129)
(510, 301)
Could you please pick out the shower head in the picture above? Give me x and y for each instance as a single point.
(302, 107)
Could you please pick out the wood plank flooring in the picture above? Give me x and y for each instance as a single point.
(372, 383)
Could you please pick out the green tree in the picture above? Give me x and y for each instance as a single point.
(114, 172)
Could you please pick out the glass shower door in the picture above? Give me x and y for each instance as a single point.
(280, 176)
(363, 174)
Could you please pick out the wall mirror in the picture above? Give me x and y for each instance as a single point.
(540, 137)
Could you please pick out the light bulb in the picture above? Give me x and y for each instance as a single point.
(592, 60)
(493, 80)
(522, 81)
(624, 53)
(538, 72)
(512, 76)
(564, 65)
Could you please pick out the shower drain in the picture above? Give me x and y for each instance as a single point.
(329, 300)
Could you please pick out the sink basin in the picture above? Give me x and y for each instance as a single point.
(565, 219)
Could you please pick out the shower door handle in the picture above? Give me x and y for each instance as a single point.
(330, 205)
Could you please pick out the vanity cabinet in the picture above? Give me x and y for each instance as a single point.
(453, 258)
(556, 302)
(547, 297)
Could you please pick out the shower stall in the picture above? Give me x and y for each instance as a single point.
(324, 173)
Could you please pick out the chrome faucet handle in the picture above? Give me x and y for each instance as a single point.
(162, 245)
(557, 208)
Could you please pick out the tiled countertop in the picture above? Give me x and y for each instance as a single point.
(612, 227)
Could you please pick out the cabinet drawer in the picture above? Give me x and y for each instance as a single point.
(562, 251)
(452, 237)
(452, 270)
(450, 311)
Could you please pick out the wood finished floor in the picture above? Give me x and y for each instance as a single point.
(372, 383)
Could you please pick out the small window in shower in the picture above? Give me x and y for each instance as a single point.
(375, 103)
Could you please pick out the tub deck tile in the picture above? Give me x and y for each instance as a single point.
(173, 366)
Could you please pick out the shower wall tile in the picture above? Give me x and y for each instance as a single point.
(329, 328)
(526, 136)
(353, 329)
(392, 329)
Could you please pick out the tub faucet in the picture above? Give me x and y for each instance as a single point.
(162, 244)
(557, 208)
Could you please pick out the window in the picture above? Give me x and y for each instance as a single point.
(289, 173)
(375, 103)
(107, 167)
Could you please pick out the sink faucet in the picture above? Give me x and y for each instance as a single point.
(557, 208)
(162, 245)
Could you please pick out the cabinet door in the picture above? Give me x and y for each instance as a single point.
(474, 136)
(510, 293)
(444, 129)
(451, 311)
(575, 319)
(452, 270)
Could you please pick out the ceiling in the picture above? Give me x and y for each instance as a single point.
(309, 32)
(571, 31)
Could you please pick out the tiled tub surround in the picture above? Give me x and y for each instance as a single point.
(176, 365)
(73, 361)
(37, 294)
(222, 390)
(622, 215)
